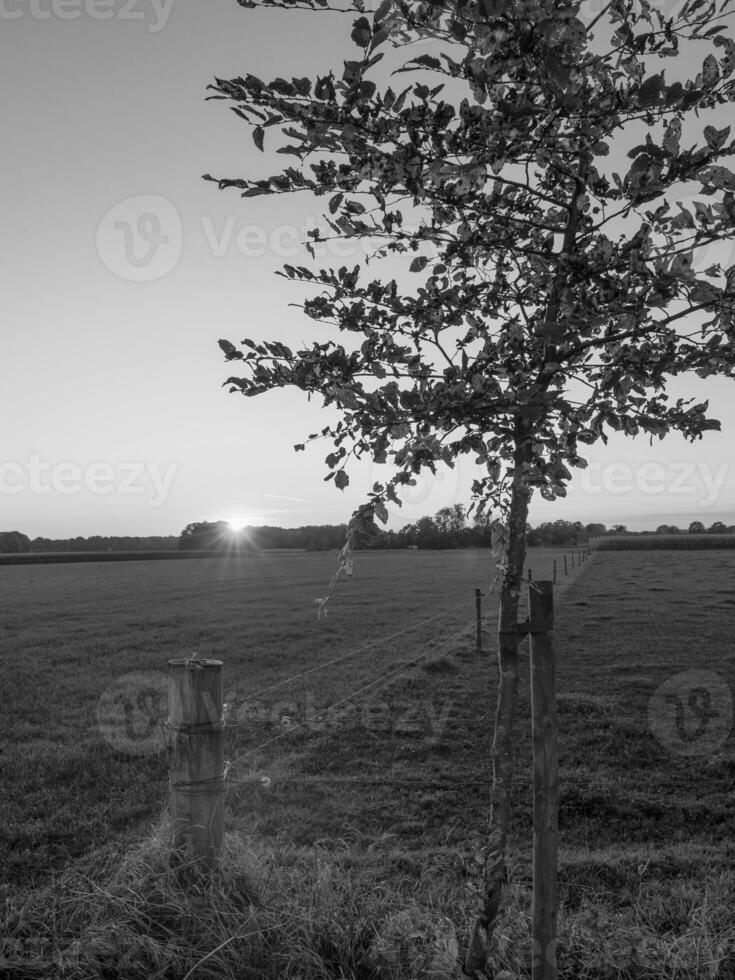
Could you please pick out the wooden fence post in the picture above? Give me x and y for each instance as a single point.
(545, 780)
(566, 570)
(555, 571)
(478, 621)
(196, 776)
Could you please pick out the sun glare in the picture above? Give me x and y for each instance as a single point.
(238, 523)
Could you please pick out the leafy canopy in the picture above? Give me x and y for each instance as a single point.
(557, 281)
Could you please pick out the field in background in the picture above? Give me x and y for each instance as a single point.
(664, 542)
(394, 784)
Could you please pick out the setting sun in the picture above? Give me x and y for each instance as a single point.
(238, 523)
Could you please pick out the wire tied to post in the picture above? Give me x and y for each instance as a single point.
(192, 787)
(196, 728)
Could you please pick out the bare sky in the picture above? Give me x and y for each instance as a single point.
(123, 269)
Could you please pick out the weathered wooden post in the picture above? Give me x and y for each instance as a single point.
(196, 776)
(566, 570)
(478, 623)
(555, 571)
(545, 779)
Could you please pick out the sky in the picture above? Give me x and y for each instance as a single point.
(123, 268)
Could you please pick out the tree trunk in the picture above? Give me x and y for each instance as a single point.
(476, 961)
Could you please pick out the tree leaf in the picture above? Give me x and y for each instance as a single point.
(672, 137)
(650, 90)
(719, 177)
(361, 32)
(727, 62)
(418, 264)
(710, 71)
(426, 61)
(716, 138)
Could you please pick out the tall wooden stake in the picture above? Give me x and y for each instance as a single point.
(545, 780)
(196, 759)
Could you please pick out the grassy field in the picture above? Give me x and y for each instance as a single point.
(359, 790)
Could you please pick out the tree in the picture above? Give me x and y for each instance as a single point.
(427, 534)
(443, 520)
(553, 534)
(556, 295)
(205, 534)
(696, 527)
(595, 530)
(450, 521)
(14, 543)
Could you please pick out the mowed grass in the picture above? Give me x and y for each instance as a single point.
(359, 792)
(68, 633)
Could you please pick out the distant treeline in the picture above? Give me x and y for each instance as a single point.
(448, 528)
(15, 543)
(218, 535)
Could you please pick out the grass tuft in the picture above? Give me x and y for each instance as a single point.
(263, 913)
(440, 665)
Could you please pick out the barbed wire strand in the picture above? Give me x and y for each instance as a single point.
(380, 680)
(449, 782)
(352, 653)
(189, 787)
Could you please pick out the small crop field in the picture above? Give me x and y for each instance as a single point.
(359, 765)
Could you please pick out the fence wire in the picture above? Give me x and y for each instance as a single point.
(432, 649)
(351, 653)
